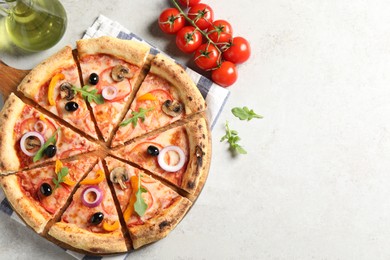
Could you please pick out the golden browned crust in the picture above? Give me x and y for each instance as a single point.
(38, 76)
(25, 206)
(131, 51)
(96, 243)
(9, 161)
(167, 69)
(199, 156)
(159, 227)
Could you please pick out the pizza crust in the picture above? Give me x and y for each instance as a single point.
(25, 206)
(159, 227)
(131, 51)
(9, 161)
(190, 95)
(81, 239)
(42, 73)
(197, 167)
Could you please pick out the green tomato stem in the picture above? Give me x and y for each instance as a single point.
(197, 28)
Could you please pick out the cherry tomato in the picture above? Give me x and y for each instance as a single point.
(202, 15)
(238, 51)
(220, 31)
(189, 3)
(188, 39)
(171, 21)
(225, 75)
(206, 56)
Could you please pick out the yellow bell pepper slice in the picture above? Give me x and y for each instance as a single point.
(100, 176)
(110, 226)
(53, 83)
(147, 96)
(66, 179)
(130, 207)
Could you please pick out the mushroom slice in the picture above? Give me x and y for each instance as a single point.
(66, 91)
(119, 175)
(172, 108)
(120, 72)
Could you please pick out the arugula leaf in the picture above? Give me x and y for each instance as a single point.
(141, 114)
(232, 138)
(49, 141)
(140, 205)
(90, 95)
(244, 113)
(60, 176)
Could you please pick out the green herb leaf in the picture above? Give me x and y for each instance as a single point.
(49, 141)
(90, 95)
(140, 205)
(244, 113)
(60, 176)
(141, 114)
(232, 138)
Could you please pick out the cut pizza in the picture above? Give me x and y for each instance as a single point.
(150, 209)
(180, 155)
(53, 84)
(110, 69)
(91, 221)
(38, 195)
(29, 138)
(166, 95)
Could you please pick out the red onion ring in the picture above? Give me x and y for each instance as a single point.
(99, 196)
(109, 93)
(171, 168)
(40, 125)
(23, 142)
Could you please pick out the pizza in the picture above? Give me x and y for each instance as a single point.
(35, 195)
(179, 154)
(25, 130)
(105, 148)
(163, 207)
(167, 94)
(112, 67)
(51, 86)
(91, 221)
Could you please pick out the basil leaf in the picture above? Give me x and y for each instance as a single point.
(60, 176)
(141, 114)
(49, 141)
(232, 138)
(140, 206)
(90, 95)
(244, 113)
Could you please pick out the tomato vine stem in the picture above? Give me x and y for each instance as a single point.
(197, 28)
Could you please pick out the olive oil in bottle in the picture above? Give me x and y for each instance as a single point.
(36, 25)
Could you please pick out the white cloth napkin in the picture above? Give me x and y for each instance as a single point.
(214, 95)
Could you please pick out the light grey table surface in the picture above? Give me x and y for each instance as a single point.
(315, 183)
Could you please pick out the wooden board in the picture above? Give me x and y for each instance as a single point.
(10, 79)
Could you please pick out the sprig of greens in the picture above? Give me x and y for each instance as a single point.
(90, 95)
(60, 177)
(141, 114)
(140, 205)
(232, 138)
(244, 113)
(49, 141)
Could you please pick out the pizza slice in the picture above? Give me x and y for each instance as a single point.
(91, 221)
(150, 209)
(38, 195)
(166, 95)
(52, 85)
(180, 155)
(29, 138)
(110, 68)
